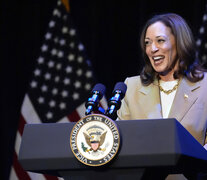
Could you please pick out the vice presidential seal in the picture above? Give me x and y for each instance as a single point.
(95, 140)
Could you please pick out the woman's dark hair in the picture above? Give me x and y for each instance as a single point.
(185, 46)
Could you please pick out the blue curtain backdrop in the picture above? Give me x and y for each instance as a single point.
(109, 30)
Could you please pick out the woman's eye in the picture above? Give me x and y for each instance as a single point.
(147, 43)
(161, 40)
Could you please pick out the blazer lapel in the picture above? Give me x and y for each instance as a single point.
(185, 97)
(150, 101)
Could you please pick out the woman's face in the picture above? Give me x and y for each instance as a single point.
(160, 47)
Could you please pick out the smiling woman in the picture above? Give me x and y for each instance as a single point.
(161, 50)
(172, 83)
(175, 43)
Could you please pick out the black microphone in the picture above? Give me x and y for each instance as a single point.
(97, 93)
(114, 102)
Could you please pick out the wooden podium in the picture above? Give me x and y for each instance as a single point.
(159, 146)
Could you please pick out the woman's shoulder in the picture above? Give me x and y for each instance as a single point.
(133, 81)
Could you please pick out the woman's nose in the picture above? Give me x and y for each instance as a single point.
(154, 48)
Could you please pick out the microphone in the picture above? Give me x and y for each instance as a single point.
(114, 102)
(97, 93)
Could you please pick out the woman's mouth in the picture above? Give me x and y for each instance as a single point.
(158, 59)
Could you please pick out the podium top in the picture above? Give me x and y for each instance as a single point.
(144, 143)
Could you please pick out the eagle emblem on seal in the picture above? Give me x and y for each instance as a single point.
(94, 137)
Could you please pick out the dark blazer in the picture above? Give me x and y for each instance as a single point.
(189, 106)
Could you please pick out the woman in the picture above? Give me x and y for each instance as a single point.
(172, 84)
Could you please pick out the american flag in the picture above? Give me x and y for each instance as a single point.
(202, 39)
(61, 83)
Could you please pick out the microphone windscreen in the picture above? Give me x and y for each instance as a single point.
(120, 86)
(99, 87)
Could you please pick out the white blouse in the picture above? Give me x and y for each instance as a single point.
(167, 99)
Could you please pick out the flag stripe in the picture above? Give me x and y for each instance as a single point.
(18, 142)
(19, 170)
(29, 112)
(81, 110)
(64, 120)
(13, 175)
(22, 122)
(51, 177)
(74, 116)
(36, 176)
